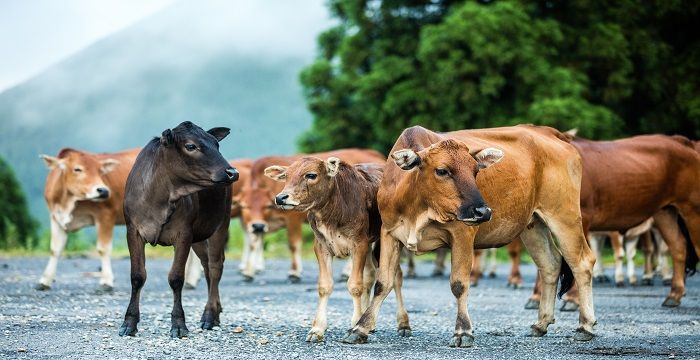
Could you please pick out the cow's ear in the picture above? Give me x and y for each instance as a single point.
(219, 132)
(406, 159)
(166, 138)
(332, 166)
(487, 157)
(276, 172)
(107, 165)
(53, 162)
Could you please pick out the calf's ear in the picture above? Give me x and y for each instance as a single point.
(276, 172)
(166, 138)
(53, 162)
(107, 165)
(487, 157)
(406, 159)
(219, 132)
(332, 166)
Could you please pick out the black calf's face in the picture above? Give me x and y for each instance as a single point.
(447, 179)
(193, 155)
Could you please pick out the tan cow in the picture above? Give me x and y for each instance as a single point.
(84, 189)
(480, 189)
(260, 215)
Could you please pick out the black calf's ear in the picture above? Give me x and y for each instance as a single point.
(166, 138)
(219, 132)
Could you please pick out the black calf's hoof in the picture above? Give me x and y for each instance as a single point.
(354, 337)
(405, 332)
(209, 320)
(569, 306)
(536, 332)
(583, 335)
(669, 302)
(42, 287)
(179, 332)
(647, 282)
(667, 282)
(128, 330)
(462, 340)
(294, 279)
(532, 304)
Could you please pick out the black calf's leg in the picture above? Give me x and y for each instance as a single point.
(216, 245)
(138, 278)
(176, 279)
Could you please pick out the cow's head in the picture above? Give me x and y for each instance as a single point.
(256, 206)
(446, 179)
(308, 182)
(192, 155)
(81, 173)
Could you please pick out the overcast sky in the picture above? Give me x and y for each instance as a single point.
(34, 34)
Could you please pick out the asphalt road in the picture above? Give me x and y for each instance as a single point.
(73, 320)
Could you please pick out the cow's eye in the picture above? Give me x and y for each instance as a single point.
(311, 176)
(77, 170)
(190, 147)
(442, 172)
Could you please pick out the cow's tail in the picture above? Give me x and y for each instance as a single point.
(691, 257)
(376, 251)
(566, 278)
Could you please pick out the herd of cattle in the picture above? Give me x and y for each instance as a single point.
(557, 194)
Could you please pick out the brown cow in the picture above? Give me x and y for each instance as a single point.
(83, 189)
(260, 215)
(341, 201)
(627, 181)
(431, 197)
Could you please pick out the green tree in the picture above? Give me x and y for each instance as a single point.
(607, 68)
(17, 227)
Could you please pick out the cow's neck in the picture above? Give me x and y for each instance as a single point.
(62, 203)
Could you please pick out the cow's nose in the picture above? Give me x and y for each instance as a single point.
(258, 228)
(102, 193)
(482, 213)
(232, 174)
(281, 198)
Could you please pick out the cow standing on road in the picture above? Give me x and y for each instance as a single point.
(178, 193)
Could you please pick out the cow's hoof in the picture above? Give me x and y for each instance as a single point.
(569, 306)
(667, 282)
(104, 288)
(179, 332)
(620, 283)
(536, 332)
(344, 278)
(411, 275)
(532, 304)
(355, 337)
(515, 286)
(189, 286)
(492, 275)
(462, 340)
(474, 284)
(294, 279)
(602, 279)
(208, 320)
(42, 287)
(314, 336)
(248, 278)
(128, 330)
(670, 302)
(647, 282)
(583, 335)
(437, 273)
(633, 283)
(405, 332)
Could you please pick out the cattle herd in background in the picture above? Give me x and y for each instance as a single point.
(558, 195)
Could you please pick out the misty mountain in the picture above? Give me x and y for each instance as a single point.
(192, 61)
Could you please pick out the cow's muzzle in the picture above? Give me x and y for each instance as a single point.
(474, 215)
(285, 202)
(258, 228)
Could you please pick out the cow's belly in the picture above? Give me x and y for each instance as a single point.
(335, 241)
(79, 221)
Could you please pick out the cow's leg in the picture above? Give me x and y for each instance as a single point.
(663, 268)
(514, 249)
(176, 279)
(245, 256)
(630, 252)
(138, 279)
(462, 256)
(388, 262)
(201, 249)
(295, 243)
(492, 263)
(648, 250)
(568, 230)
(440, 256)
(58, 243)
(597, 242)
(255, 245)
(540, 246)
(259, 257)
(617, 242)
(368, 279)
(193, 270)
(404, 328)
(411, 260)
(216, 245)
(325, 288)
(105, 226)
(475, 273)
(533, 303)
(356, 280)
(667, 222)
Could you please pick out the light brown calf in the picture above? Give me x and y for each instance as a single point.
(480, 189)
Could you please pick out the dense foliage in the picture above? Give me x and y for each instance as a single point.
(17, 227)
(609, 68)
